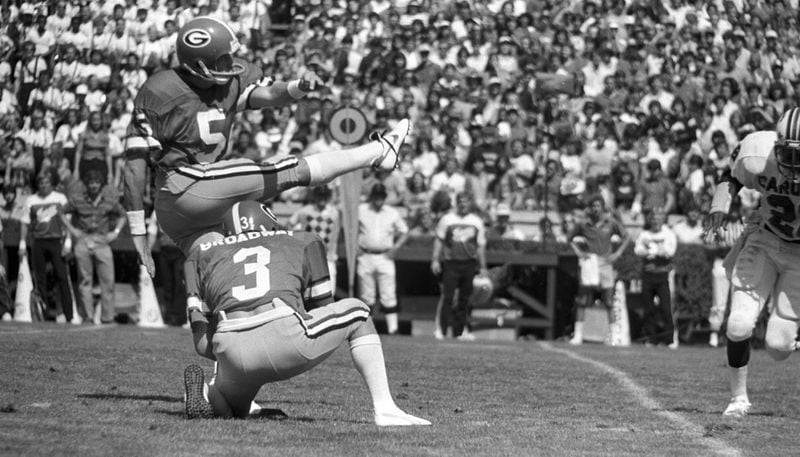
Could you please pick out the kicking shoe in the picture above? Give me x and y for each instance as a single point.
(391, 142)
(398, 418)
(674, 345)
(197, 406)
(738, 407)
(466, 337)
(438, 334)
(576, 341)
(7, 317)
(76, 320)
(61, 319)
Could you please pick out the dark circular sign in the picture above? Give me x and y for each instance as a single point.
(348, 125)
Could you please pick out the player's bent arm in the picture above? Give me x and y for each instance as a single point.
(723, 195)
(282, 93)
(202, 330)
(134, 182)
(276, 94)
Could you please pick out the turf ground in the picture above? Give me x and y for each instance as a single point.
(117, 391)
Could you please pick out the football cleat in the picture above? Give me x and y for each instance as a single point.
(391, 142)
(197, 406)
(738, 407)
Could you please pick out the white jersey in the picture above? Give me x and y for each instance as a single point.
(755, 167)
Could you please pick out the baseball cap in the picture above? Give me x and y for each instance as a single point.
(82, 89)
(503, 210)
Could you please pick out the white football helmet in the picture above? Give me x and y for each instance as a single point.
(482, 290)
(787, 147)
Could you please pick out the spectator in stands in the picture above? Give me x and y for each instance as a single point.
(20, 166)
(459, 253)
(49, 243)
(690, 229)
(26, 72)
(450, 178)
(67, 136)
(381, 232)
(598, 238)
(655, 191)
(501, 225)
(657, 245)
(94, 208)
(38, 136)
(478, 181)
(321, 217)
(96, 148)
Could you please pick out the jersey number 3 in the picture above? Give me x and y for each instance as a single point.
(256, 263)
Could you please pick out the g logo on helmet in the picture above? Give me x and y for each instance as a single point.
(196, 38)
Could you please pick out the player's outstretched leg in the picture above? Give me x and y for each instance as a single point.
(381, 153)
(367, 356)
(197, 406)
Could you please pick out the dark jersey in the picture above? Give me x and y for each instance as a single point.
(243, 272)
(180, 125)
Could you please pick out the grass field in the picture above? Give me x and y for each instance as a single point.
(117, 391)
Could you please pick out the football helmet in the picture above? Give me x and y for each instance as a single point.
(482, 290)
(787, 147)
(205, 48)
(249, 216)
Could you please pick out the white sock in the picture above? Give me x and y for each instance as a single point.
(578, 331)
(391, 322)
(738, 382)
(367, 354)
(325, 166)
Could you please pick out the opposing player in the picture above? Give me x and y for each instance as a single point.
(260, 304)
(182, 121)
(766, 260)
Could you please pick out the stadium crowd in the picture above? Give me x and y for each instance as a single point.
(534, 105)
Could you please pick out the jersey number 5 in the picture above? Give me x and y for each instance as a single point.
(258, 268)
(783, 215)
(211, 124)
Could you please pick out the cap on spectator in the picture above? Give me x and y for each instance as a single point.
(26, 8)
(653, 165)
(772, 34)
(300, 18)
(494, 80)
(503, 210)
(442, 24)
(738, 32)
(505, 39)
(424, 48)
(82, 89)
(777, 63)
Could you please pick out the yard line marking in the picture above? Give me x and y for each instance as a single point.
(57, 330)
(641, 394)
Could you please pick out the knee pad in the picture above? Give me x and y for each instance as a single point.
(738, 353)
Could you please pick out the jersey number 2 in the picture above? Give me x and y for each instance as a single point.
(211, 124)
(782, 215)
(259, 268)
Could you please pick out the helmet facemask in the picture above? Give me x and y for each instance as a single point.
(787, 155)
(220, 72)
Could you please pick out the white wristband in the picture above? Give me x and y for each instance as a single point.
(294, 89)
(721, 203)
(136, 222)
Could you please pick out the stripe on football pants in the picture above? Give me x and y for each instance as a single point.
(238, 168)
(318, 326)
(322, 289)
